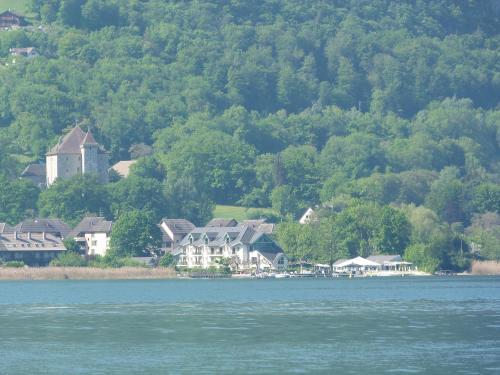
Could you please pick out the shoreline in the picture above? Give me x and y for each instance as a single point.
(86, 273)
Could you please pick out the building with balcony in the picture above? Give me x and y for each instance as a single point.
(243, 247)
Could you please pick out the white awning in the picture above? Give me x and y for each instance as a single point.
(319, 265)
(358, 261)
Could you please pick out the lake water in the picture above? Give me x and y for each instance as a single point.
(426, 325)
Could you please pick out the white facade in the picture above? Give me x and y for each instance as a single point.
(93, 235)
(77, 153)
(206, 256)
(97, 243)
(242, 247)
(308, 216)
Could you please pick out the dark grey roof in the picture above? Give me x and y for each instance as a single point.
(253, 223)
(217, 235)
(89, 139)
(92, 225)
(16, 241)
(71, 142)
(38, 170)
(6, 228)
(267, 228)
(179, 226)
(381, 259)
(7, 12)
(217, 222)
(54, 226)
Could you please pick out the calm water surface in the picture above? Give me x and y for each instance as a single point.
(321, 326)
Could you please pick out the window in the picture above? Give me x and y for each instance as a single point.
(94, 243)
(254, 260)
(234, 251)
(212, 251)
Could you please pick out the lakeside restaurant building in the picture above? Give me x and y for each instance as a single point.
(374, 263)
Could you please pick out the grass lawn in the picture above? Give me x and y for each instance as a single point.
(19, 6)
(236, 212)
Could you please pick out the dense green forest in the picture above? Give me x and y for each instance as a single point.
(385, 113)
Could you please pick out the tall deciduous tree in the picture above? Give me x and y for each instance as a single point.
(72, 199)
(135, 233)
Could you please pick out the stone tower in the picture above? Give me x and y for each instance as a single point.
(89, 150)
(76, 153)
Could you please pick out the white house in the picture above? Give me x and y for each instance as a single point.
(308, 216)
(93, 235)
(245, 248)
(28, 52)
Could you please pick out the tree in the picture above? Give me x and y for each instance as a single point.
(220, 166)
(72, 199)
(296, 240)
(422, 256)
(447, 196)
(186, 201)
(98, 13)
(138, 193)
(167, 260)
(284, 201)
(135, 233)
(394, 230)
(17, 199)
(70, 12)
(71, 245)
(356, 155)
(484, 233)
(487, 198)
(327, 235)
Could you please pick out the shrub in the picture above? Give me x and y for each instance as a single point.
(421, 255)
(71, 245)
(167, 260)
(15, 264)
(110, 261)
(69, 259)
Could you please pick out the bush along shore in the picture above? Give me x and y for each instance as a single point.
(85, 273)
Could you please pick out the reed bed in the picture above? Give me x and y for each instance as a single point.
(488, 267)
(85, 273)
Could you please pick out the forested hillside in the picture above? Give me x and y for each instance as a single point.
(385, 112)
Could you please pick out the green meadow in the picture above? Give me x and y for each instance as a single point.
(20, 6)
